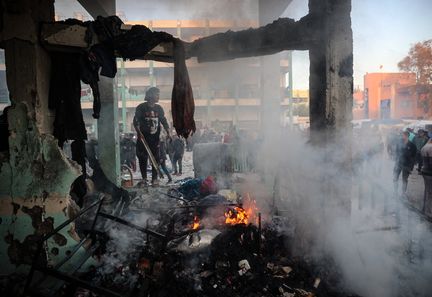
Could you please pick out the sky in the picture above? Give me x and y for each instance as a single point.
(383, 30)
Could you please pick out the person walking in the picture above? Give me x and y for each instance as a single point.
(426, 172)
(163, 157)
(405, 158)
(420, 140)
(149, 116)
(178, 148)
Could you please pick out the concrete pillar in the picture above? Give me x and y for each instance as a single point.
(331, 97)
(331, 70)
(36, 179)
(108, 128)
(270, 72)
(108, 131)
(270, 99)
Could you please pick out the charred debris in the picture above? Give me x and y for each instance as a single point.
(191, 239)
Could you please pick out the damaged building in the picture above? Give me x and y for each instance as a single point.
(77, 221)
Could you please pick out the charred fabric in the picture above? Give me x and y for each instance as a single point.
(192, 239)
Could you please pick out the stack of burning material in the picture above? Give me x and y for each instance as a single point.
(216, 248)
(241, 258)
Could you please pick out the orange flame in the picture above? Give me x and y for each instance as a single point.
(196, 223)
(242, 215)
(235, 216)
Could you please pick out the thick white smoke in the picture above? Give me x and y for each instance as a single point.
(383, 248)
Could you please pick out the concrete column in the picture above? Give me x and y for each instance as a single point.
(108, 132)
(331, 97)
(291, 88)
(331, 70)
(270, 93)
(270, 71)
(123, 96)
(270, 99)
(108, 128)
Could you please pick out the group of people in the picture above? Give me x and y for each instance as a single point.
(409, 150)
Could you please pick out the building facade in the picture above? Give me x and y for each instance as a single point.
(384, 98)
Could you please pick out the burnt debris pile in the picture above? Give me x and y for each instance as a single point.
(209, 246)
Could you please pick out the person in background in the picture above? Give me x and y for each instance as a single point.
(163, 157)
(405, 159)
(420, 140)
(178, 148)
(411, 134)
(127, 151)
(426, 171)
(4, 131)
(149, 116)
(392, 142)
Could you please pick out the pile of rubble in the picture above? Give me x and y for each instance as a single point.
(217, 247)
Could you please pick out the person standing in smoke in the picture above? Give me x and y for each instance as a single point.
(420, 140)
(405, 159)
(163, 157)
(426, 171)
(149, 116)
(178, 148)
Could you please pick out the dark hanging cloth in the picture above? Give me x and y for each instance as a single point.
(138, 41)
(107, 28)
(182, 102)
(65, 97)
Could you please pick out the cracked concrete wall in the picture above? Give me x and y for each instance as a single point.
(35, 180)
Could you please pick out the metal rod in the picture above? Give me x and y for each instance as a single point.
(67, 222)
(43, 239)
(124, 222)
(97, 214)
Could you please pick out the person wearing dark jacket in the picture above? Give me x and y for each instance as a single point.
(4, 130)
(178, 148)
(163, 158)
(426, 172)
(405, 159)
(149, 116)
(419, 141)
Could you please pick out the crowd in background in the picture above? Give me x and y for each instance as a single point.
(409, 150)
(244, 147)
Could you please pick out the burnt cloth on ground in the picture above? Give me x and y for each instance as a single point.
(182, 102)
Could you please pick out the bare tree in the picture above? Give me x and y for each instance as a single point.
(419, 61)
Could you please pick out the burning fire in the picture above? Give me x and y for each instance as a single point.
(196, 223)
(242, 215)
(235, 216)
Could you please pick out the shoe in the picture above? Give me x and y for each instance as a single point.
(142, 184)
(169, 181)
(155, 183)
